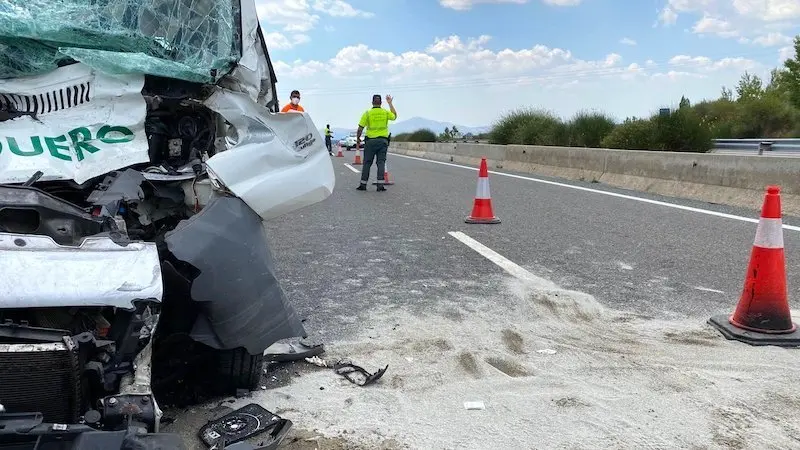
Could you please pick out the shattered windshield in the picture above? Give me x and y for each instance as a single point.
(193, 40)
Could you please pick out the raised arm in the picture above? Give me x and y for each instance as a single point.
(389, 100)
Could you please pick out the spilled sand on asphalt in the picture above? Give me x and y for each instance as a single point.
(615, 380)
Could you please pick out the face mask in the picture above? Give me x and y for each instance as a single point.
(295, 101)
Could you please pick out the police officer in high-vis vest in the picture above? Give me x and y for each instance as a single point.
(376, 145)
(328, 142)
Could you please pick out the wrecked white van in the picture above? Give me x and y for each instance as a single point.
(140, 152)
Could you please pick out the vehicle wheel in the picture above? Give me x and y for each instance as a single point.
(237, 369)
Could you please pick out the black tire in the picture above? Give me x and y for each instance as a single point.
(237, 369)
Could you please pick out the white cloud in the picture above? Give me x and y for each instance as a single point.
(744, 19)
(768, 10)
(714, 25)
(280, 41)
(455, 61)
(668, 16)
(291, 15)
(298, 17)
(627, 41)
(454, 44)
(465, 5)
(785, 53)
(772, 40)
(452, 58)
(706, 64)
(339, 8)
(674, 75)
(298, 69)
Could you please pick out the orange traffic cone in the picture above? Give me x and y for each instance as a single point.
(482, 207)
(340, 154)
(357, 161)
(387, 179)
(762, 316)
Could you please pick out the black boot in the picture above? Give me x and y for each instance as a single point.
(361, 187)
(381, 188)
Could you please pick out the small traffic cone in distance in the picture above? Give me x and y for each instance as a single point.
(387, 179)
(340, 154)
(482, 212)
(357, 161)
(762, 316)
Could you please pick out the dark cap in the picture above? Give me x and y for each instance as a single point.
(376, 98)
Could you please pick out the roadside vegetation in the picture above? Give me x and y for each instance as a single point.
(423, 135)
(753, 109)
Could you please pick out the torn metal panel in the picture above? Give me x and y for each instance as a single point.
(278, 162)
(140, 382)
(79, 124)
(28, 210)
(292, 350)
(242, 301)
(116, 188)
(254, 75)
(38, 272)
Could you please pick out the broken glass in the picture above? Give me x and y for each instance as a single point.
(193, 40)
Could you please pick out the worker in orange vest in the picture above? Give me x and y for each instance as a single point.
(294, 103)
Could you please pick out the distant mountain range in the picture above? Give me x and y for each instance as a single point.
(414, 124)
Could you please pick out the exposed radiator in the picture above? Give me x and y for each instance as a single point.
(41, 378)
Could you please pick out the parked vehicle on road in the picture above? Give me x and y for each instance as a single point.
(349, 142)
(140, 153)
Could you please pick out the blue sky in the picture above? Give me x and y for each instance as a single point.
(469, 61)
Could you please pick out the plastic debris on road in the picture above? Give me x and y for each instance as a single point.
(474, 406)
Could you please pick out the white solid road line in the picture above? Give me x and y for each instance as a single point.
(504, 263)
(611, 194)
(352, 168)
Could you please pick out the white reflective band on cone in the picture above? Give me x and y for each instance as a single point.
(483, 188)
(769, 233)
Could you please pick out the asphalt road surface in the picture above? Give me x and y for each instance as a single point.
(584, 310)
(647, 258)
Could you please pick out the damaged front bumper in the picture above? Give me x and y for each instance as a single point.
(38, 272)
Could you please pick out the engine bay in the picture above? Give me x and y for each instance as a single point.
(96, 347)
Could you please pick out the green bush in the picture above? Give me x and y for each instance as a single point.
(423, 135)
(529, 127)
(588, 129)
(768, 116)
(401, 137)
(681, 131)
(719, 115)
(633, 134)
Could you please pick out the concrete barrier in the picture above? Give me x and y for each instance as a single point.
(725, 179)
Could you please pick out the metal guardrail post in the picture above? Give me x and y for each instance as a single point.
(764, 146)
